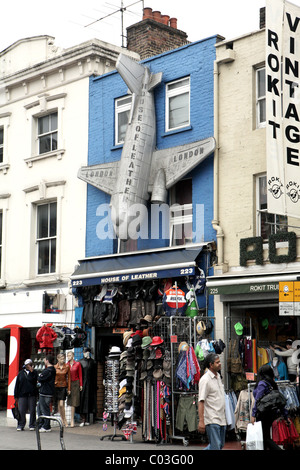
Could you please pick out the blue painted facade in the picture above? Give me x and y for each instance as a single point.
(194, 60)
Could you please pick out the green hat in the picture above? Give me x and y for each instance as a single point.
(238, 328)
(146, 341)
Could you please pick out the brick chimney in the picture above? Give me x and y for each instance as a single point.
(155, 34)
(262, 18)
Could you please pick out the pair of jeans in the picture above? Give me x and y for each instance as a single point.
(43, 409)
(24, 404)
(216, 436)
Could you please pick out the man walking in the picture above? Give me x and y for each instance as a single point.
(211, 404)
(46, 383)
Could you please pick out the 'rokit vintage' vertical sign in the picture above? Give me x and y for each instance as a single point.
(282, 107)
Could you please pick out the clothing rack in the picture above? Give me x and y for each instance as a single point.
(176, 330)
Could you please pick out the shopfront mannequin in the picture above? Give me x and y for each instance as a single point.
(76, 384)
(88, 395)
(62, 385)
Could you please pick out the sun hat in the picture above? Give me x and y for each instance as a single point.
(183, 346)
(146, 341)
(126, 336)
(238, 328)
(200, 327)
(156, 341)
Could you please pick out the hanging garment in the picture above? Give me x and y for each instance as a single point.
(242, 410)
(46, 336)
(186, 414)
(174, 302)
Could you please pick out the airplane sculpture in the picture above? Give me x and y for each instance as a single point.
(142, 169)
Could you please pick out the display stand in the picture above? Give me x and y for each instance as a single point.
(174, 330)
(112, 367)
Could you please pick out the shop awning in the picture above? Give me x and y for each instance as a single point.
(145, 265)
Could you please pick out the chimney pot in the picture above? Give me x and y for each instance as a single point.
(157, 16)
(173, 23)
(165, 19)
(147, 13)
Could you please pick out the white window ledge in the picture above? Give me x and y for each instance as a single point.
(4, 167)
(56, 153)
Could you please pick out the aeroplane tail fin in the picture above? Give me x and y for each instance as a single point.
(131, 72)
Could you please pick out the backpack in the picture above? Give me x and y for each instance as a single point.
(272, 404)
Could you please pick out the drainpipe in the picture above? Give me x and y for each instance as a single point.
(215, 221)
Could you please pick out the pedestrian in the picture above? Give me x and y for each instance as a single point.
(287, 353)
(46, 385)
(211, 404)
(265, 383)
(25, 394)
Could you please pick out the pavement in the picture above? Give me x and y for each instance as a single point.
(94, 438)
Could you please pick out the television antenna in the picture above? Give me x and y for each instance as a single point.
(121, 10)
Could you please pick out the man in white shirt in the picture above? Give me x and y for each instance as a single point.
(287, 353)
(211, 404)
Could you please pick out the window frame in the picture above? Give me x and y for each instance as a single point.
(275, 221)
(49, 238)
(1, 144)
(184, 215)
(50, 133)
(260, 99)
(122, 105)
(177, 91)
(1, 242)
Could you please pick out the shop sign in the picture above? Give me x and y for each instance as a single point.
(282, 103)
(289, 298)
(253, 288)
(138, 276)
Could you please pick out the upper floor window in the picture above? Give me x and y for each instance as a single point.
(122, 110)
(47, 133)
(267, 224)
(46, 237)
(1, 217)
(1, 143)
(178, 104)
(261, 96)
(181, 213)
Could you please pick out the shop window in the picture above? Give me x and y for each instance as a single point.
(178, 104)
(1, 144)
(122, 110)
(47, 133)
(46, 237)
(267, 224)
(181, 213)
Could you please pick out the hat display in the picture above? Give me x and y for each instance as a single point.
(156, 341)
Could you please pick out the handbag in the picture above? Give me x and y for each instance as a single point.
(234, 363)
(271, 404)
(15, 412)
(254, 436)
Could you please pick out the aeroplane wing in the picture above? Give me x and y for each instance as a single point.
(178, 161)
(102, 176)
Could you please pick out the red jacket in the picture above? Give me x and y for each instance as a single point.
(46, 336)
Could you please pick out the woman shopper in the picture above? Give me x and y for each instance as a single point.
(265, 383)
(25, 394)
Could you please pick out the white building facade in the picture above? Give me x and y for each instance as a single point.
(44, 116)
